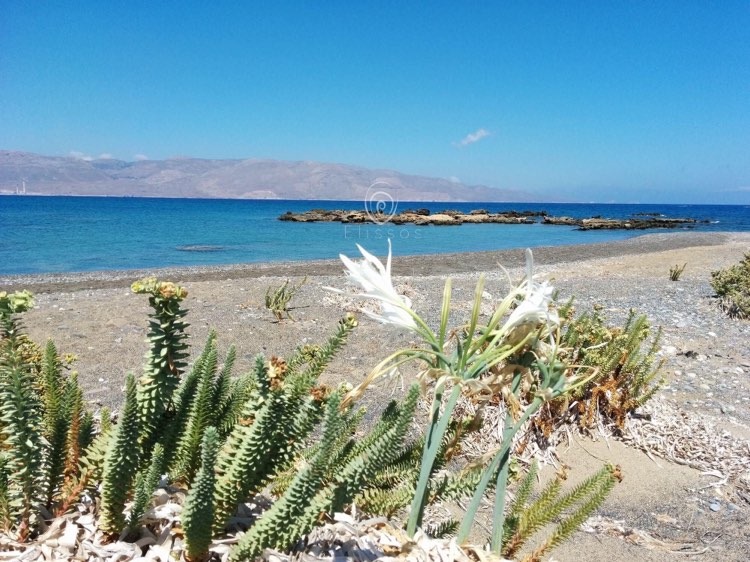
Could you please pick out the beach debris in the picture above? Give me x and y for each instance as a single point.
(690, 439)
(618, 528)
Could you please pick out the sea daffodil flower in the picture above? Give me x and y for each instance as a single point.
(534, 309)
(375, 279)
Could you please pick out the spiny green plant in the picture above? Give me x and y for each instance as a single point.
(126, 460)
(22, 442)
(200, 414)
(206, 397)
(198, 512)
(58, 402)
(83, 446)
(626, 370)
(120, 464)
(6, 512)
(569, 509)
(43, 425)
(165, 361)
(278, 298)
(273, 424)
(732, 286)
(675, 272)
(91, 461)
(392, 488)
(145, 484)
(328, 481)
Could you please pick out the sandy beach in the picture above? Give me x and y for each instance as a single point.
(96, 317)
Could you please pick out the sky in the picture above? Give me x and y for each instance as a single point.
(600, 100)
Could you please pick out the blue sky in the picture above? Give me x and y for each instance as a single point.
(590, 101)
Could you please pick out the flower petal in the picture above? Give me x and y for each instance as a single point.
(375, 279)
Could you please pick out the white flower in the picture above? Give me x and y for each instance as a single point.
(375, 279)
(535, 307)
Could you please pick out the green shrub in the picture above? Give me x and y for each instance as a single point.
(43, 426)
(732, 286)
(569, 510)
(675, 272)
(278, 299)
(624, 370)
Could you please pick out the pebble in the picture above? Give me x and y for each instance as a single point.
(714, 506)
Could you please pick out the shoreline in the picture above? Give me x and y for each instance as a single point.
(412, 265)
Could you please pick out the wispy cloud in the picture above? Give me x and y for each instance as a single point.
(105, 156)
(471, 138)
(140, 157)
(454, 179)
(80, 155)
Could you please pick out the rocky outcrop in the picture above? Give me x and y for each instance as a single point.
(640, 223)
(423, 217)
(417, 217)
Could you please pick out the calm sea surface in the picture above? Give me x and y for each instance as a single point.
(66, 234)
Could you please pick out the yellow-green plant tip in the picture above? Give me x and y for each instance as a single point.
(16, 302)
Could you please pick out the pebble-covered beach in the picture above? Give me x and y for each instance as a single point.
(96, 317)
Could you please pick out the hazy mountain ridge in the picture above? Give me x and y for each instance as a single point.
(247, 179)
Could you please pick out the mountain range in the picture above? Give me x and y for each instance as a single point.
(231, 179)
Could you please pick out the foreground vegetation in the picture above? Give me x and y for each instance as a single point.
(277, 431)
(732, 285)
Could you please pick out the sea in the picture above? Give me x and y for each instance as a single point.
(62, 234)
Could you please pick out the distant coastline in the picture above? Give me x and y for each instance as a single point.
(249, 178)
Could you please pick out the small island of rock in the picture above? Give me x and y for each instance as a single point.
(423, 217)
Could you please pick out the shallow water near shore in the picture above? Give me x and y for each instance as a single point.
(76, 234)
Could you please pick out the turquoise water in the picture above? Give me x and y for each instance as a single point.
(67, 234)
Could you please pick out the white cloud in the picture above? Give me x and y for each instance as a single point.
(471, 138)
(105, 156)
(454, 179)
(80, 156)
(140, 157)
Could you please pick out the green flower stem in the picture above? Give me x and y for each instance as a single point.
(498, 517)
(491, 469)
(435, 433)
(473, 348)
(498, 514)
(445, 313)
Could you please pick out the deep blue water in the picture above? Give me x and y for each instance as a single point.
(66, 234)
